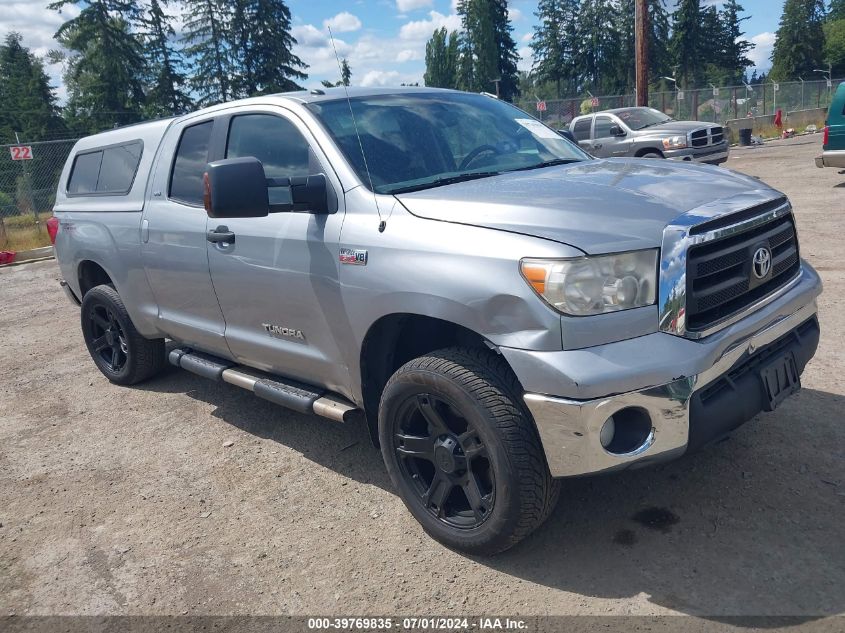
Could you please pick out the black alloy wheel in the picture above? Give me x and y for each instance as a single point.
(109, 339)
(445, 461)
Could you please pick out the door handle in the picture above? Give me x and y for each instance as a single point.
(220, 235)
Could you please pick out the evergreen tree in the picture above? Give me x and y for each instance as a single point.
(27, 101)
(687, 43)
(799, 43)
(735, 47)
(166, 93)
(261, 48)
(345, 72)
(508, 87)
(345, 76)
(837, 10)
(479, 58)
(600, 46)
(441, 59)
(555, 45)
(206, 25)
(834, 45)
(105, 68)
(659, 55)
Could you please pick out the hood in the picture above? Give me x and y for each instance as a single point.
(600, 206)
(675, 127)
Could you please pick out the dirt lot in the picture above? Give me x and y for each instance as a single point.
(129, 501)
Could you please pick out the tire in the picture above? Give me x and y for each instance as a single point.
(120, 353)
(651, 155)
(455, 417)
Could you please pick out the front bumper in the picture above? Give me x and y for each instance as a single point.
(714, 155)
(831, 159)
(665, 376)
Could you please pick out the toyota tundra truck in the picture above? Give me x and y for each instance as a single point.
(498, 308)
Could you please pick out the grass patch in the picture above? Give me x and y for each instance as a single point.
(23, 233)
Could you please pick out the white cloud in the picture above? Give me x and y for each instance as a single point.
(763, 44)
(528, 36)
(421, 30)
(411, 5)
(409, 55)
(525, 58)
(515, 14)
(381, 78)
(309, 35)
(343, 22)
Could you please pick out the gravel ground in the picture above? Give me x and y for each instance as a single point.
(182, 496)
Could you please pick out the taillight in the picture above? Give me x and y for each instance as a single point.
(53, 228)
(826, 136)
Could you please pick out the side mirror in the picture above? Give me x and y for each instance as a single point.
(235, 188)
(615, 130)
(310, 194)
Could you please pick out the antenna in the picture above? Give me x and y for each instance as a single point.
(381, 223)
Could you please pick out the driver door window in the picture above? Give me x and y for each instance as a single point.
(274, 141)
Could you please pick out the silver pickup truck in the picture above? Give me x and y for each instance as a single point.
(499, 309)
(648, 133)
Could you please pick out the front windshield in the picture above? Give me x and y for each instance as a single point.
(639, 118)
(420, 140)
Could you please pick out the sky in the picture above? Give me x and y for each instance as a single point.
(384, 40)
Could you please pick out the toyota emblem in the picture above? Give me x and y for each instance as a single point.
(762, 262)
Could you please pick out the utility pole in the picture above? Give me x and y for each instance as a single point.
(641, 51)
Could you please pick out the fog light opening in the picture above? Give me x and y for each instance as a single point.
(627, 431)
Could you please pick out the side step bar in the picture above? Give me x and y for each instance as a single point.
(288, 393)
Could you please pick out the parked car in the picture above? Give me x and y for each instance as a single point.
(499, 309)
(648, 133)
(833, 142)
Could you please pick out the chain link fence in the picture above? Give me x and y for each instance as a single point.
(714, 103)
(29, 176)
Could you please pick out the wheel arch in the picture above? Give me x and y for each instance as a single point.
(648, 150)
(91, 274)
(393, 340)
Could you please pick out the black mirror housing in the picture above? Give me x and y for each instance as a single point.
(310, 193)
(236, 188)
(615, 130)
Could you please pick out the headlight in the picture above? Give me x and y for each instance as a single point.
(595, 285)
(675, 142)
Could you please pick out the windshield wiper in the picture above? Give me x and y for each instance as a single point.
(548, 163)
(446, 180)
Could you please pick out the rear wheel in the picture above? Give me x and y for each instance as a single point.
(119, 351)
(462, 450)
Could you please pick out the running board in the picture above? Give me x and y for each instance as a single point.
(288, 393)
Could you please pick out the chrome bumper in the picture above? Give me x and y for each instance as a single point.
(570, 429)
(831, 159)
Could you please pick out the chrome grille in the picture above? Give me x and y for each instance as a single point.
(720, 281)
(707, 137)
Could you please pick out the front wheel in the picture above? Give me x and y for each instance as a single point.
(119, 351)
(651, 155)
(463, 452)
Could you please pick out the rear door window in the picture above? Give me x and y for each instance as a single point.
(189, 164)
(581, 129)
(603, 125)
